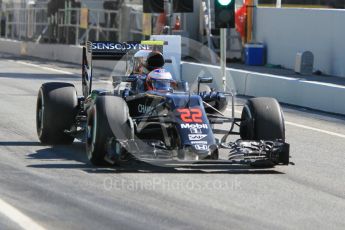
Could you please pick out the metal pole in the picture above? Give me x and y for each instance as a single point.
(250, 21)
(119, 24)
(77, 24)
(98, 28)
(108, 24)
(27, 27)
(1, 24)
(223, 56)
(7, 26)
(12, 25)
(65, 22)
(69, 11)
(171, 17)
(279, 3)
(35, 26)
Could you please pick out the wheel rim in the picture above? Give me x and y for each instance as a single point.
(40, 115)
(91, 133)
(246, 132)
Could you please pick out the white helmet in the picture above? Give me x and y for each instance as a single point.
(159, 79)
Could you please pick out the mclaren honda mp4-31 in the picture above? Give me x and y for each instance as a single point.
(148, 114)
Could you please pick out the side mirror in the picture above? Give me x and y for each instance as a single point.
(130, 79)
(118, 79)
(204, 80)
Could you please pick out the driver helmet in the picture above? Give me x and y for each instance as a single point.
(147, 60)
(159, 79)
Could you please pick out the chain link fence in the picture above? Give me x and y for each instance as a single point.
(23, 24)
(71, 25)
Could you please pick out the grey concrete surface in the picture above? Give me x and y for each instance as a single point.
(58, 189)
(286, 31)
(311, 92)
(290, 73)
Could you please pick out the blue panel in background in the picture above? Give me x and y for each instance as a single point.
(255, 54)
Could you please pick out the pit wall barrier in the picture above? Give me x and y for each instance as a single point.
(73, 53)
(55, 52)
(309, 94)
(314, 95)
(287, 31)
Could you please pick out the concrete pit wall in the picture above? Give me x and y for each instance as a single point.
(314, 95)
(288, 31)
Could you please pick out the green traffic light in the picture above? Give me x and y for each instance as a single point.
(224, 2)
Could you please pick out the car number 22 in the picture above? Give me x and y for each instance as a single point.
(190, 115)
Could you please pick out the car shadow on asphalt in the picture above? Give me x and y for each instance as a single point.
(74, 156)
(142, 167)
(39, 76)
(20, 143)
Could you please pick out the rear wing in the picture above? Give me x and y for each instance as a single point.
(112, 50)
(107, 50)
(115, 50)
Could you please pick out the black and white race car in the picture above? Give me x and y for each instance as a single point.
(149, 115)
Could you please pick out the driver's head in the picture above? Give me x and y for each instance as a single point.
(154, 60)
(159, 79)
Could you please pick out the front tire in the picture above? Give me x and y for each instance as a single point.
(262, 119)
(108, 118)
(56, 109)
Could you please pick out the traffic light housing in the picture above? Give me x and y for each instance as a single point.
(183, 6)
(224, 13)
(153, 6)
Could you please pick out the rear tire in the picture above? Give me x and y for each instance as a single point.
(108, 118)
(262, 119)
(57, 107)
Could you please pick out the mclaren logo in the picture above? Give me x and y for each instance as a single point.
(196, 137)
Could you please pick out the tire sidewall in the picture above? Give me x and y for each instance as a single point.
(58, 104)
(103, 123)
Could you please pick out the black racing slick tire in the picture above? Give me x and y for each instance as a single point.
(262, 119)
(107, 119)
(56, 109)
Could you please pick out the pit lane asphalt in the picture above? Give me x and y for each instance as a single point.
(58, 189)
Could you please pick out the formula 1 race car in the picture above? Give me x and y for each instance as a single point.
(149, 115)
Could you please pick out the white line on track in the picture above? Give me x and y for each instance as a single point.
(46, 68)
(57, 70)
(315, 129)
(239, 112)
(306, 127)
(104, 81)
(18, 217)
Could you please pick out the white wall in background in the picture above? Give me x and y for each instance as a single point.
(288, 31)
(294, 91)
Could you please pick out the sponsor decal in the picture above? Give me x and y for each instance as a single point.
(118, 46)
(195, 131)
(144, 108)
(201, 147)
(190, 115)
(196, 137)
(194, 126)
(198, 142)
